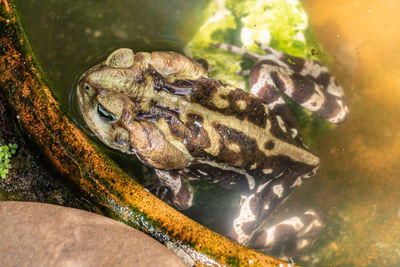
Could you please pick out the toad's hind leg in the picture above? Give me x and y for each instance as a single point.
(308, 82)
(256, 205)
(288, 238)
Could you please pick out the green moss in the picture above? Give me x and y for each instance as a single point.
(6, 152)
(7, 196)
(281, 24)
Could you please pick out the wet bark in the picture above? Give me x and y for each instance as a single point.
(30, 178)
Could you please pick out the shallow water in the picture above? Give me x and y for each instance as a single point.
(357, 187)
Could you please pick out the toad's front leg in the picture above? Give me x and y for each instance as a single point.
(154, 150)
(151, 146)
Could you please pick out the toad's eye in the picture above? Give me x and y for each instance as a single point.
(106, 115)
(87, 89)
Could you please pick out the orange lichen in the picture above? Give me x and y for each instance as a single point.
(6, 5)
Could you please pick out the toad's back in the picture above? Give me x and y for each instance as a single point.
(214, 121)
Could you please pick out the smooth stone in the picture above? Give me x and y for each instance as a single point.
(37, 234)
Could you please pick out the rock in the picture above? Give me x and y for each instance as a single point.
(36, 234)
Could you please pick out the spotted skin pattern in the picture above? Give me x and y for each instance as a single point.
(163, 107)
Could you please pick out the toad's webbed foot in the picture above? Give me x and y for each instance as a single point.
(307, 81)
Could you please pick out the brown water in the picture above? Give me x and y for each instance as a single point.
(358, 183)
(357, 187)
